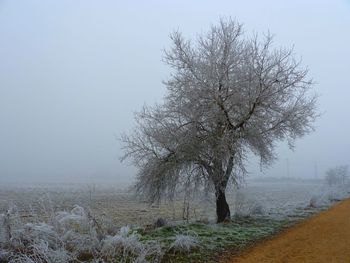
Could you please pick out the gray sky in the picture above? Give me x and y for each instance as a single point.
(73, 72)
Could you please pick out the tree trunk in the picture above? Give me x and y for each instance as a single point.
(222, 208)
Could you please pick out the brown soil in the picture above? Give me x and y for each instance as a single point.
(322, 238)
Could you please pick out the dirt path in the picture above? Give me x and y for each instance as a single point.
(322, 238)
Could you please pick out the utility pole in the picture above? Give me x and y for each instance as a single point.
(288, 173)
(316, 170)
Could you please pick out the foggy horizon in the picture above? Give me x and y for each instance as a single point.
(72, 74)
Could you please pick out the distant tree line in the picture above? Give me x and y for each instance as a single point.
(338, 175)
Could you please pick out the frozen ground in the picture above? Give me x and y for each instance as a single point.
(273, 198)
(82, 223)
(282, 198)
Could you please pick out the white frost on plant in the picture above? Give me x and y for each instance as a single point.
(185, 242)
(124, 231)
(124, 242)
(3, 230)
(244, 207)
(73, 236)
(76, 215)
(128, 245)
(39, 232)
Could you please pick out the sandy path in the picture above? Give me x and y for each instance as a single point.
(322, 238)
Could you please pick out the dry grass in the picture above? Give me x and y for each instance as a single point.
(270, 207)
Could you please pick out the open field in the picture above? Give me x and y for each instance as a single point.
(277, 199)
(93, 216)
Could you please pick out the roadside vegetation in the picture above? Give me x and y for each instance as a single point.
(79, 235)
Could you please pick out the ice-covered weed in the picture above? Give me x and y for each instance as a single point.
(39, 252)
(151, 252)
(319, 200)
(4, 228)
(127, 245)
(336, 193)
(81, 244)
(4, 255)
(185, 242)
(73, 219)
(328, 195)
(39, 232)
(314, 201)
(244, 207)
(124, 231)
(124, 243)
(76, 235)
(107, 225)
(20, 258)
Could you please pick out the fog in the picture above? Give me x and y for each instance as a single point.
(72, 74)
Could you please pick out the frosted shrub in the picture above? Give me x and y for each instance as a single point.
(57, 256)
(319, 201)
(41, 252)
(41, 231)
(21, 259)
(77, 232)
(37, 242)
(75, 219)
(4, 228)
(328, 195)
(108, 226)
(124, 231)
(151, 252)
(81, 245)
(117, 245)
(74, 236)
(244, 207)
(3, 255)
(184, 242)
(46, 208)
(336, 194)
(257, 209)
(126, 245)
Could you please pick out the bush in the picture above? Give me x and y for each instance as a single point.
(244, 207)
(74, 236)
(185, 242)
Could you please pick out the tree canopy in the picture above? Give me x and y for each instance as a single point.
(228, 95)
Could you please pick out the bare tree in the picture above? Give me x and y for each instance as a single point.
(228, 95)
(337, 175)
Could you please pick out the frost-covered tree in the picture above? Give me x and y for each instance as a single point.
(228, 96)
(337, 175)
